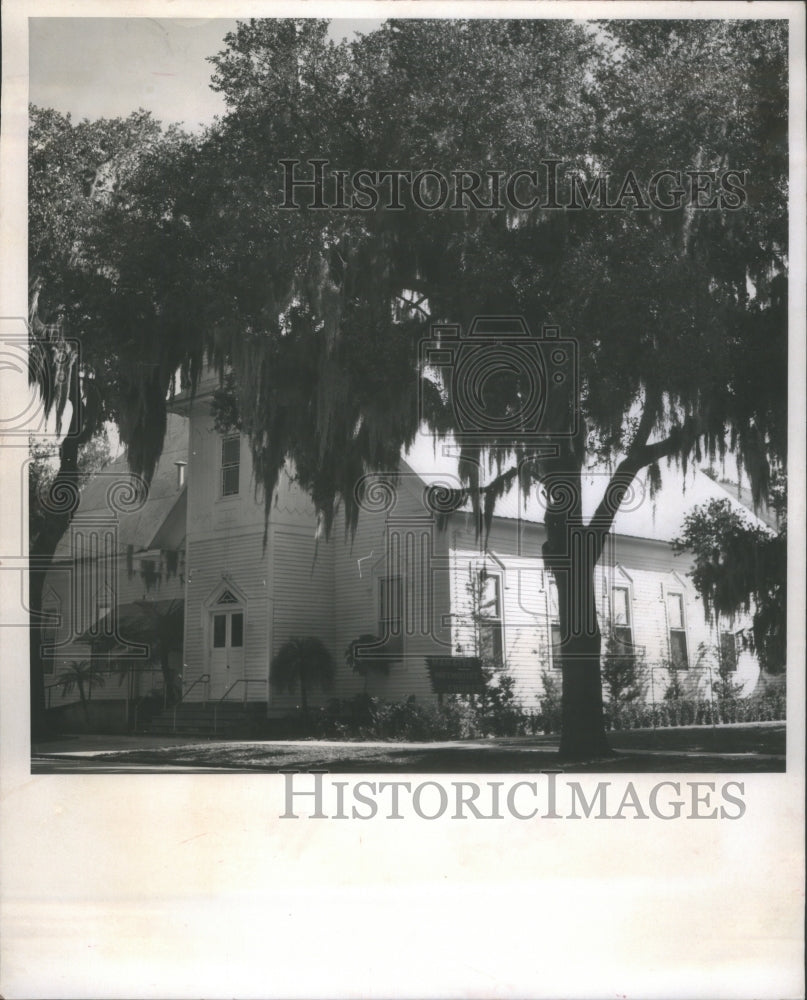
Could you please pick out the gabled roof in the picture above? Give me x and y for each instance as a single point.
(141, 528)
(743, 494)
(659, 518)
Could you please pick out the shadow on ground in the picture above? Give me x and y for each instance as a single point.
(733, 749)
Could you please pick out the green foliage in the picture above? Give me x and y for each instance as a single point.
(111, 311)
(725, 687)
(159, 625)
(623, 673)
(365, 665)
(110, 305)
(679, 316)
(304, 662)
(149, 572)
(81, 675)
(43, 467)
(224, 407)
(497, 710)
(722, 674)
(458, 717)
(682, 683)
(79, 672)
(311, 381)
(740, 567)
(697, 712)
(550, 701)
(176, 249)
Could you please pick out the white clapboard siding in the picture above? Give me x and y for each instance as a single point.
(307, 585)
(648, 569)
(76, 592)
(359, 566)
(236, 561)
(302, 603)
(210, 513)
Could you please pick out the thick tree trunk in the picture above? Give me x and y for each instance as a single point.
(61, 503)
(582, 721)
(570, 552)
(41, 553)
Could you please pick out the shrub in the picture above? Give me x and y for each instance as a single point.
(495, 712)
(623, 673)
(694, 712)
(365, 665)
(550, 702)
(302, 662)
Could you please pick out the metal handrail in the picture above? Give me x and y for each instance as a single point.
(229, 689)
(202, 677)
(246, 681)
(216, 705)
(48, 688)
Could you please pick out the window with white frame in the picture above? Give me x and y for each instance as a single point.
(676, 624)
(728, 651)
(490, 623)
(390, 613)
(230, 465)
(228, 623)
(621, 619)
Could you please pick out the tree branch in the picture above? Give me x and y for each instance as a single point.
(645, 425)
(640, 454)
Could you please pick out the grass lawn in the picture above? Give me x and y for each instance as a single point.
(755, 747)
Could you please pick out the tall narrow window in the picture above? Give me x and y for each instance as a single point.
(728, 651)
(230, 465)
(554, 626)
(228, 623)
(237, 630)
(219, 631)
(621, 617)
(491, 645)
(678, 636)
(390, 613)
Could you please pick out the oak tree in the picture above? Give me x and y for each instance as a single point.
(675, 299)
(677, 312)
